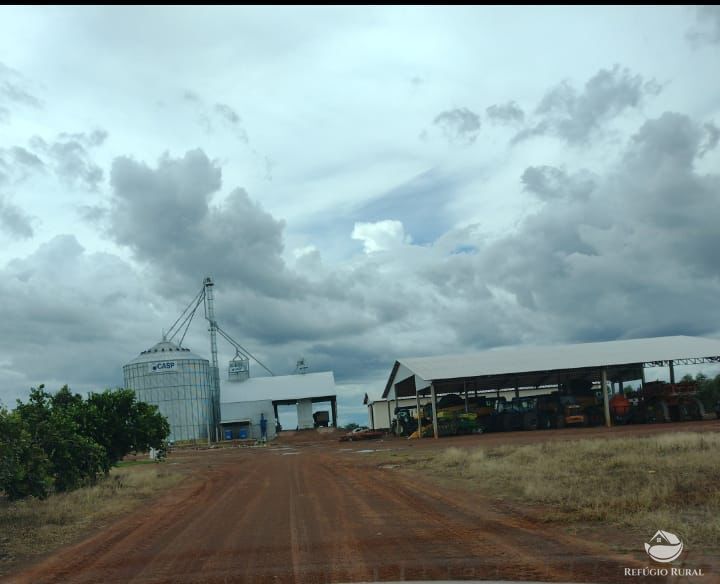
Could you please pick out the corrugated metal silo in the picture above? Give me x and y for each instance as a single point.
(179, 383)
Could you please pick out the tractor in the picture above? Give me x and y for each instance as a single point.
(669, 402)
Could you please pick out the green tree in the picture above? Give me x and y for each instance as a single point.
(121, 425)
(75, 458)
(25, 469)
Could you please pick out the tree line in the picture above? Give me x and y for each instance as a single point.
(62, 441)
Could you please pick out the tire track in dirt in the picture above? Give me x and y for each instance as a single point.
(322, 515)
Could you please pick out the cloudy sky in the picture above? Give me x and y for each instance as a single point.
(362, 183)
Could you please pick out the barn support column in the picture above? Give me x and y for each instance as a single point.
(333, 408)
(433, 400)
(672, 372)
(517, 390)
(622, 389)
(419, 413)
(606, 402)
(387, 402)
(397, 403)
(466, 397)
(372, 414)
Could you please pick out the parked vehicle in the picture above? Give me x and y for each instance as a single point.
(321, 418)
(669, 402)
(589, 399)
(557, 411)
(520, 414)
(362, 434)
(405, 422)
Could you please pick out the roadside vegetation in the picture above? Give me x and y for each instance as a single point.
(31, 527)
(668, 481)
(59, 442)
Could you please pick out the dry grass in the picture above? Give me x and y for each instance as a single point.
(32, 527)
(669, 481)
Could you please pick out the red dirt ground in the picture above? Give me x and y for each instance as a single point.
(321, 511)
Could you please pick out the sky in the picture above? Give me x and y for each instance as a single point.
(362, 183)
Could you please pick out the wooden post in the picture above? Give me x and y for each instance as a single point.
(333, 409)
(419, 413)
(606, 402)
(466, 397)
(389, 418)
(672, 372)
(434, 411)
(372, 415)
(642, 377)
(517, 390)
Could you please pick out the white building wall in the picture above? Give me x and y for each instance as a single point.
(236, 411)
(304, 414)
(380, 410)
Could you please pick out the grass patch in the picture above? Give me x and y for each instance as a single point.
(125, 463)
(669, 481)
(32, 527)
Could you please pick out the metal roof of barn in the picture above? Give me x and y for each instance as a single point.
(279, 388)
(531, 365)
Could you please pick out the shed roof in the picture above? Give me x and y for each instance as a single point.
(279, 387)
(508, 361)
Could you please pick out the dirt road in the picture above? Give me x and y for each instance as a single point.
(324, 512)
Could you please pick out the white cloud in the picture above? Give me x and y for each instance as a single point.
(381, 235)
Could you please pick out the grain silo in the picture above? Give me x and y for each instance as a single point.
(180, 383)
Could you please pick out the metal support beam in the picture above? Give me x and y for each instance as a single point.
(606, 401)
(333, 408)
(466, 396)
(210, 316)
(419, 414)
(396, 407)
(671, 365)
(372, 415)
(433, 400)
(389, 418)
(517, 390)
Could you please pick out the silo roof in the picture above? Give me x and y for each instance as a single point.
(166, 351)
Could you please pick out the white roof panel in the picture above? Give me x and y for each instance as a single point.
(525, 359)
(278, 387)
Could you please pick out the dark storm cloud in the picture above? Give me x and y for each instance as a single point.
(506, 113)
(459, 125)
(165, 216)
(14, 221)
(712, 137)
(634, 256)
(70, 316)
(574, 116)
(71, 157)
(548, 182)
